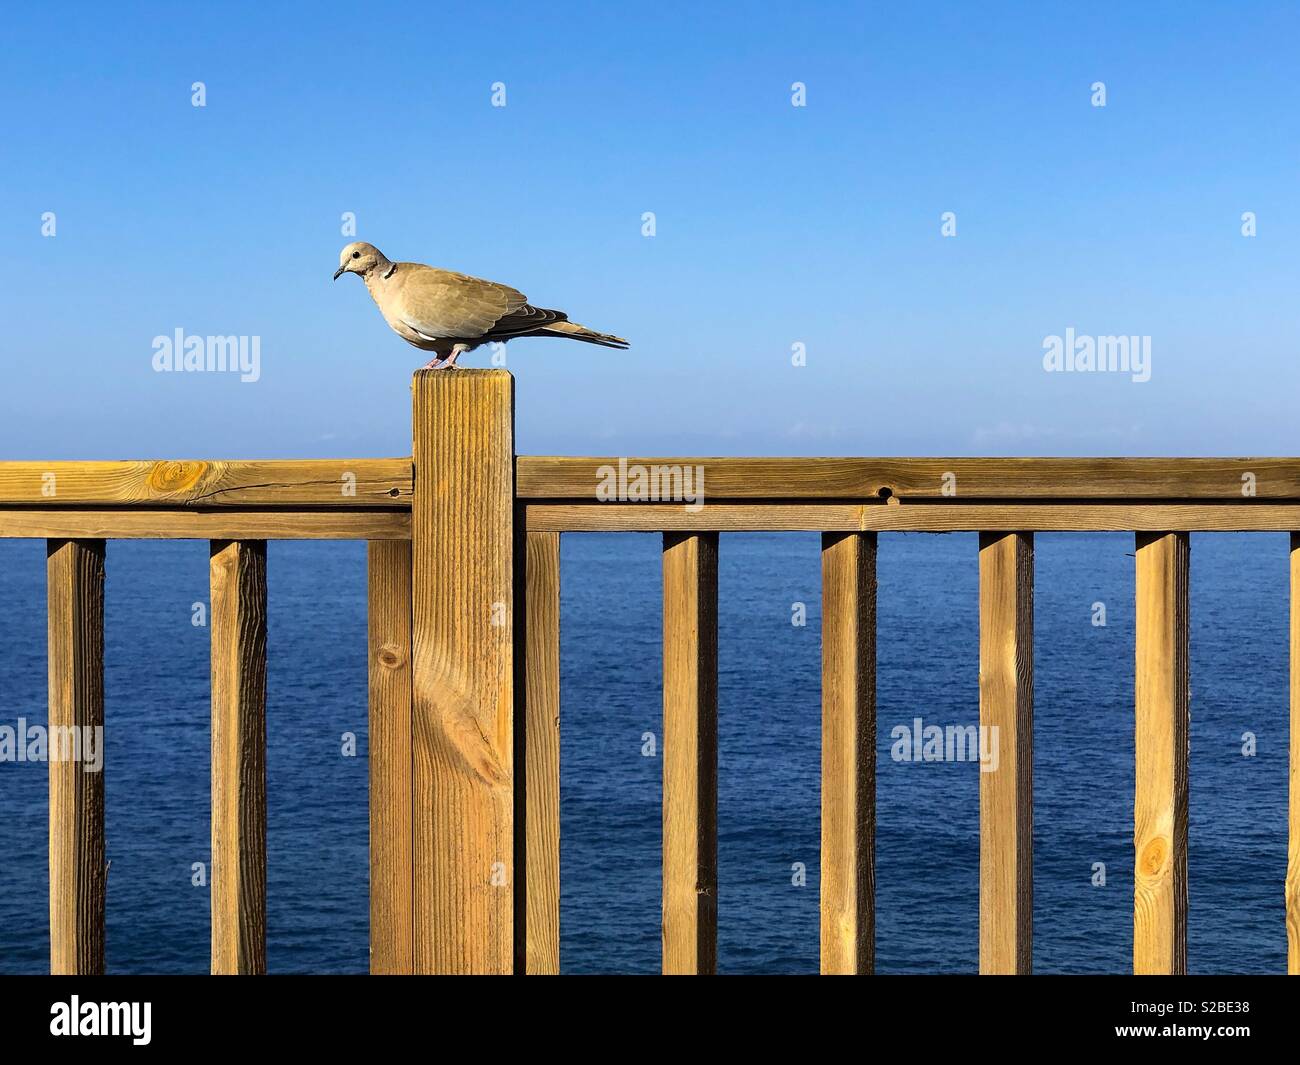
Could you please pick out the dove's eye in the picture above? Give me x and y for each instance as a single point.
(356, 255)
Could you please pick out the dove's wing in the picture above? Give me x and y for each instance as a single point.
(524, 320)
(442, 304)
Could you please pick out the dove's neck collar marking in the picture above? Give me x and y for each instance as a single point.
(389, 272)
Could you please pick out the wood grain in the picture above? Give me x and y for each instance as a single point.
(539, 937)
(913, 517)
(462, 671)
(78, 872)
(293, 483)
(578, 478)
(1292, 889)
(690, 754)
(848, 799)
(238, 884)
(1161, 742)
(1006, 564)
(129, 523)
(392, 908)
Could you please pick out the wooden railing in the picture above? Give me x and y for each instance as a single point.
(464, 669)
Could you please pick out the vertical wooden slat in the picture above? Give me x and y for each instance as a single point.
(848, 882)
(1161, 740)
(690, 753)
(392, 913)
(238, 617)
(1293, 819)
(1007, 738)
(462, 682)
(78, 875)
(539, 904)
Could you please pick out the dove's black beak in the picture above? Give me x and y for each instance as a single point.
(338, 272)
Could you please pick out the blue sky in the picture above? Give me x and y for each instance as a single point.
(775, 224)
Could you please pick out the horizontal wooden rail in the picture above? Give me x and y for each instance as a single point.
(138, 523)
(568, 478)
(289, 483)
(386, 482)
(914, 517)
(373, 524)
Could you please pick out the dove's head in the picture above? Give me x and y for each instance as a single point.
(357, 258)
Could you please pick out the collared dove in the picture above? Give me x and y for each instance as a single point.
(450, 313)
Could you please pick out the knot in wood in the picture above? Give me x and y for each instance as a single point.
(175, 476)
(1154, 855)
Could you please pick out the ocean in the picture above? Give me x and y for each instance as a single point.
(927, 844)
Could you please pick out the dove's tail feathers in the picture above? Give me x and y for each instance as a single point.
(574, 331)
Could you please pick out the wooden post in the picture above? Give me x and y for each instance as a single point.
(238, 883)
(392, 913)
(462, 682)
(1162, 712)
(848, 883)
(537, 945)
(1293, 817)
(690, 753)
(1007, 737)
(78, 874)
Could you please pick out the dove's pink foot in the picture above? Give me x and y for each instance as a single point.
(433, 364)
